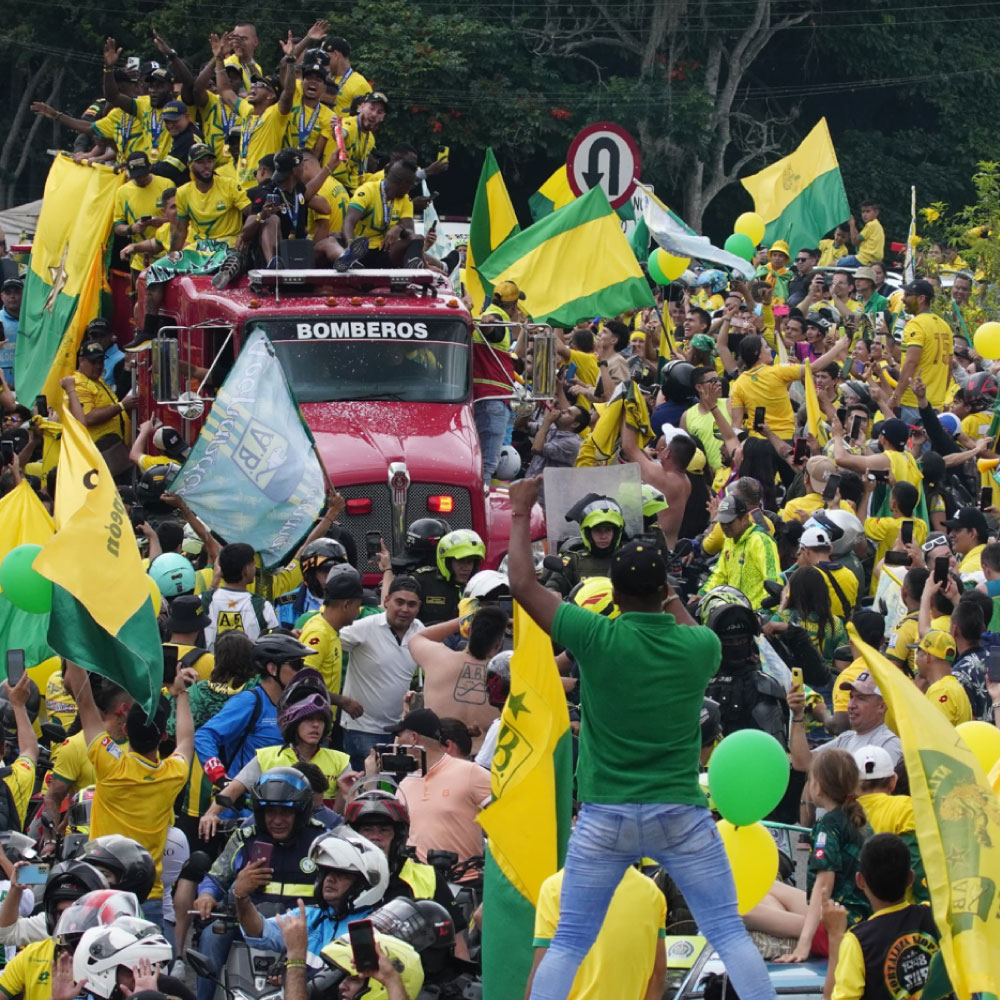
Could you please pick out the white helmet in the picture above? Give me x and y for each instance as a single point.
(125, 942)
(853, 530)
(485, 582)
(350, 852)
(509, 465)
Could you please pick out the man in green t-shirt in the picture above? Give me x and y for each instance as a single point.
(643, 677)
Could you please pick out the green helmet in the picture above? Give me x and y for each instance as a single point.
(602, 511)
(653, 501)
(339, 955)
(459, 544)
(719, 596)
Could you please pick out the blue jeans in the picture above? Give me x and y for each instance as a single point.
(152, 910)
(491, 417)
(605, 841)
(849, 261)
(358, 745)
(215, 947)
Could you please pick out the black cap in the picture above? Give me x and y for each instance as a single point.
(896, 431)
(173, 110)
(638, 569)
(375, 97)
(314, 68)
(12, 285)
(200, 151)
(137, 164)
(268, 81)
(919, 286)
(100, 326)
(285, 161)
(343, 584)
(186, 615)
(91, 351)
(421, 721)
(160, 74)
(338, 44)
(971, 518)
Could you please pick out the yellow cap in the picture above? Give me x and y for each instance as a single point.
(939, 644)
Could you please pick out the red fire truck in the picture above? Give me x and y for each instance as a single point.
(380, 362)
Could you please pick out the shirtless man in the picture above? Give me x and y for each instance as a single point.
(455, 681)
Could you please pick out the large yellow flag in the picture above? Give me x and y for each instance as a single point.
(102, 614)
(958, 829)
(493, 220)
(814, 415)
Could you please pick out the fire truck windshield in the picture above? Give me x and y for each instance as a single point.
(422, 360)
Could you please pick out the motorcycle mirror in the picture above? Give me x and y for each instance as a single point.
(196, 867)
(201, 965)
(553, 563)
(683, 548)
(53, 732)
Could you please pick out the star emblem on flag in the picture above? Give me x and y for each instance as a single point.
(58, 275)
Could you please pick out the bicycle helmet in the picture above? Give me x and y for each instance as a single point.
(498, 678)
(17, 846)
(713, 279)
(718, 597)
(601, 511)
(102, 950)
(596, 594)
(352, 853)
(282, 786)
(461, 544)
(423, 535)
(100, 908)
(676, 381)
(378, 800)
(317, 554)
(509, 464)
(155, 481)
(278, 648)
(68, 881)
(339, 955)
(127, 865)
(423, 924)
(653, 501)
(487, 585)
(173, 574)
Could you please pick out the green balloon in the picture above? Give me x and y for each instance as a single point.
(740, 245)
(22, 586)
(747, 776)
(655, 271)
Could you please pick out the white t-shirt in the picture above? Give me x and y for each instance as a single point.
(176, 852)
(24, 909)
(231, 609)
(485, 756)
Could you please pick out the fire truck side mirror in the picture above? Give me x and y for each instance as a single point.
(165, 370)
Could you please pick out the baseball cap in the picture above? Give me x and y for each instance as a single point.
(896, 431)
(343, 584)
(315, 68)
(268, 81)
(92, 351)
(137, 164)
(865, 272)
(375, 97)
(421, 721)
(970, 518)
(160, 74)
(816, 320)
(285, 162)
(170, 442)
(919, 286)
(937, 643)
(730, 508)
(200, 151)
(507, 291)
(12, 285)
(781, 246)
(173, 110)
(338, 44)
(99, 326)
(864, 683)
(815, 537)
(874, 763)
(638, 569)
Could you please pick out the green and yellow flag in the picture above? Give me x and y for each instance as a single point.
(23, 521)
(493, 220)
(528, 822)
(802, 197)
(555, 193)
(814, 415)
(102, 613)
(65, 275)
(958, 829)
(573, 264)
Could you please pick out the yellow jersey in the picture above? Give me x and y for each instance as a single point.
(215, 214)
(830, 254)
(352, 84)
(123, 130)
(205, 663)
(800, 508)
(95, 394)
(332, 763)
(260, 134)
(378, 213)
(976, 426)
(327, 655)
(59, 704)
(337, 197)
(884, 531)
(888, 813)
(872, 238)
(133, 203)
(358, 145)
(247, 70)
(217, 120)
(767, 386)
(29, 973)
(950, 697)
(933, 336)
(905, 634)
(71, 764)
(586, 366)
(135, 797)
(306, 126)
(846, 676)
(21, 785)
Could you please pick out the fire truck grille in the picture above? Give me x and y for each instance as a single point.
(380, 518)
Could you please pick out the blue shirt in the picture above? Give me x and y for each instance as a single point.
(10, 325)
(324, 926)
(112, 355)
(228, 735)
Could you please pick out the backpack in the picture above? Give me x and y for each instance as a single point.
(256, 602)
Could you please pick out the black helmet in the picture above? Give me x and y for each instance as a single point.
(278, 647)
(711, 722)
(378, 800)
(423, 535)
(155, 481)
(17, 846)
(981, 391)
(130, 864)
(317, 554)
(423, 924)
(282, 786)
(676, 381)
(737, 628)
(68, 881)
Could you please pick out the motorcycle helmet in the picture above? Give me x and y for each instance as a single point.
(127, 865)
(856, 391)
(282, 786)
(339, 955)
(423, 535)
(676, 381)
(17, 846)
(711, 722)
(125, 943)
(100, 908)
(461, 544)
(322, 552)
(279, 648)
(487, 585)
(350, 852)
(378, 800)
(653, 501)
(981, 391)
(305, 696)
(713, 279)
(596, 594)
(68, 880)
(155, 481)
(173, 574)
(602, 511)
(509, 465)
(844, 528)
(423, 924)
(737, 627)
(78, 814)
(498, 678)
(718, 597)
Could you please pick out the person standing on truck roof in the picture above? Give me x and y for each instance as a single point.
(358, 134)
(345, 81)
(208, 223)
(139, 204)
(311, 121)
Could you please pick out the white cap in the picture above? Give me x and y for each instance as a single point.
(815, 537)
(874, 763)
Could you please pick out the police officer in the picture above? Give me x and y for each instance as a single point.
(602, 530)
(459, 555)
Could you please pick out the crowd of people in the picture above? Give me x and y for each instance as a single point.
(816, 448)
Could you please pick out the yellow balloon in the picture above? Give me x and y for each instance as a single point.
(984, 742)
(154, 593)
(673, 267)
(753, 856)
(986, 340)
(752, 225)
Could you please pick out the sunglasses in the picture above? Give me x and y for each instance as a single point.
(934, 543)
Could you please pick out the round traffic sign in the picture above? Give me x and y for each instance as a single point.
(604, 155)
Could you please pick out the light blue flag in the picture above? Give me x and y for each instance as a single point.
(253, 474)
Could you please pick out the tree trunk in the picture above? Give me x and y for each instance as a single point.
(14, 142)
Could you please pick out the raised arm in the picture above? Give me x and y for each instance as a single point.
(112, 94)
(182, 72)
(76, 679)
(312, 38)
(227, 95)
(540, 603)
(287, 76)
(27, 742)
(60, 118)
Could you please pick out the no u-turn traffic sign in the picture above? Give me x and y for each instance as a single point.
(604, 155)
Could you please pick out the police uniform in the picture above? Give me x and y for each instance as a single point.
(577, 565)
(439, 597)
